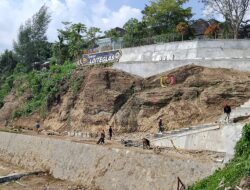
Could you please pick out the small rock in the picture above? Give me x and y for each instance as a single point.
(245, 182)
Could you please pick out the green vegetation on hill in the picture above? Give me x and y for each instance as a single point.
(234, 171)
(5, 88)
(44, 88)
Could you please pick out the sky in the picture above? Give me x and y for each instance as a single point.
(104, 14)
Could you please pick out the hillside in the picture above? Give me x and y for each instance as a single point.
(87, 98)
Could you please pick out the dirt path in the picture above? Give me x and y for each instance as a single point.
(116, 143)
(36, 182)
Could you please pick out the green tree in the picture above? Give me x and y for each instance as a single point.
(72, 40)
(135, 32)
(113, 34)
(226, 30)
(32, 45)
(8, 62)
(92, 36)
(76, 39)
(60, 51)
(162, 16)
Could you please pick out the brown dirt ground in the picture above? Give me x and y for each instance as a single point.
(35, 182)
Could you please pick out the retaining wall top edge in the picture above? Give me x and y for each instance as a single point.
(190, 41)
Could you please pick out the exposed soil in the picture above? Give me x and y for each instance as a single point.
(106, 97)
(35, 182)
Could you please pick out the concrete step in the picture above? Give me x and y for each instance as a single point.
(240, 112)
(193, 129)
(241, 108)
(184, 133)
(246, 105)
(237, 112)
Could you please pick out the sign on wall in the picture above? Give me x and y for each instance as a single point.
(103, 57)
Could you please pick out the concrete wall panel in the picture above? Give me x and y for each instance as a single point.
(102, 167)
(221, 139)
(147, 69)
(203, 49)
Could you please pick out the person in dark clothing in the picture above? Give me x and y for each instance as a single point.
(145, 143)
(107, 79)
(227, 111)
(132, 88)
(142, 85)
(102, 138)
(110, 132)
(160, 124)
(37, 126)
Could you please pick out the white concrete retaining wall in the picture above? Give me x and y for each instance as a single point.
(217, 139)
(150, 60)
(147, 69)
(99, 166)
(201, 49)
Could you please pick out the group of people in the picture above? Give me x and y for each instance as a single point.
(227, 111)
(102, 136)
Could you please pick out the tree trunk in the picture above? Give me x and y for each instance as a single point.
(236, 32)
(235, 35)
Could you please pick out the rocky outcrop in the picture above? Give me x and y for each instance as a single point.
(199, 96)
(111, 97)
(101, 94)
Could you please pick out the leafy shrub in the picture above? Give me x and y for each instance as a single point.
(243, 144)
(44, 87)
(6, 88)
(247, 166)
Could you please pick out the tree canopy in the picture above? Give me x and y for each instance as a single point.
(32, 45)
(92, 35)
(112, 33)
(182, 28)
(135, 32)
(233, 11)
(8, 62)
(162, 16)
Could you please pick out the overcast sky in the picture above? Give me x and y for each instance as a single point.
(104, 14)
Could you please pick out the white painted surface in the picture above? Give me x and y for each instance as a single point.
(147, 69)
(218, 138)
(146, 61)
(201, 49)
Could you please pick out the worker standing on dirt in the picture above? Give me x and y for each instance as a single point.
(132, 88)
(102, 138)
(37, 126)
(145, 143)
(227, 111)
(160, 124)
(142, 85)
(110, 132)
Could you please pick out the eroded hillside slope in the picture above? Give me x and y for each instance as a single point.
(106, 97)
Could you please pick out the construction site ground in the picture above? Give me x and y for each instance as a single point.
(33, 182)
(201, 155)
